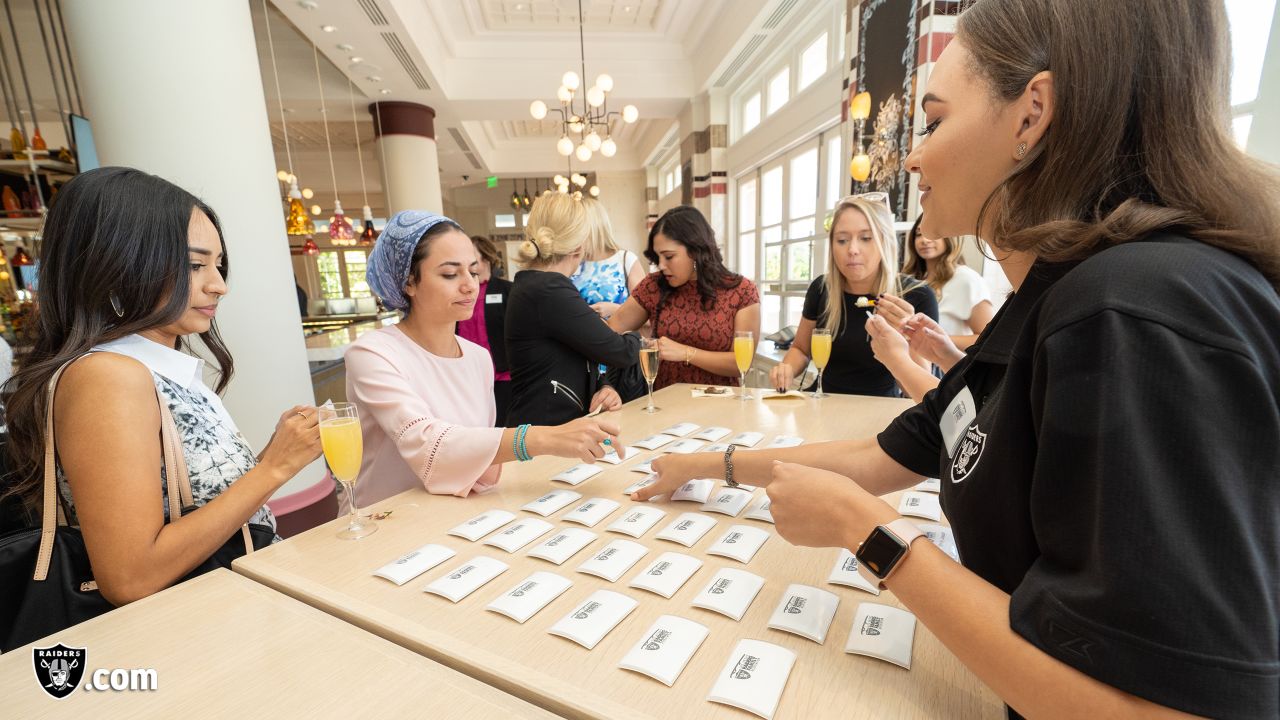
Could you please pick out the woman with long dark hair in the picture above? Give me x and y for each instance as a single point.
(132, 266)
(693, 302)
(1107, 448)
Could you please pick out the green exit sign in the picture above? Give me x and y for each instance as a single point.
(491, 181)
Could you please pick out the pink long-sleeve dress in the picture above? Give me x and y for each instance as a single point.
(427, 420)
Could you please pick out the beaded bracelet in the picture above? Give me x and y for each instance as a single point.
(522, 451)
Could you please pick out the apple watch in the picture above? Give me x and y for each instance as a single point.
(883, 550)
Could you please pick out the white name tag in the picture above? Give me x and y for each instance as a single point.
(594, 618)
(483, 524)
(740, 542)
(614, 559)
(493, 299)
(591, 512)
(753, 677)
(712, 433)
(653, 442)
(562, 545)
(637, 521)
(552, 502)
(684, 446)
(687, 529)
(729, 501)
(759, 510)
(846, 573)
(695, 491)
(920, 504)
(409, 566)
(578, 474)
(667, 574)
(785, 441)
(746, 439)
(681, 429)
(958, 416)
(519, 534)
(651, 479)
(805, 611)
(883, 632)
(664, 651)
(466, 579)
(529, 596)
(729, 593)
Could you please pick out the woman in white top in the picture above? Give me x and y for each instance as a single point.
(131, 267)
(964, 303)
(609, 274)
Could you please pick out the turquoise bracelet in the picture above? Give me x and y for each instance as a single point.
(522, 451)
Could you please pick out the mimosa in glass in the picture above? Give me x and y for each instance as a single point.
(649, 361)
(744, 351)
(343, 450)
(820, 344)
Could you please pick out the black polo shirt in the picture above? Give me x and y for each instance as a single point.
(1118, 470)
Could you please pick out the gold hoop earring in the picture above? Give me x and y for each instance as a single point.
(1021, 151)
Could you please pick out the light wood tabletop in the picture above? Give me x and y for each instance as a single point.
(564, 677)
(223, 646)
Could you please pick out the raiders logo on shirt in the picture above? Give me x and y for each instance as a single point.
(967, 455)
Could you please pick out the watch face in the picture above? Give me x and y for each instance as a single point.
(880, 552)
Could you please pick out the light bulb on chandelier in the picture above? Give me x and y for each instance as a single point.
(538, 109)
(608, 148)
(630, 114)
(595, 191)
(571, 80)
(565, 145)
(604, 82)
(593, 141)
(564, 94)
(595, 97)
(583, 152)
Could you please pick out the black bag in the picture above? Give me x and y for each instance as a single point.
(46, 582)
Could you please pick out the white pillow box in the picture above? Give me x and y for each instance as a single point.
(942, 537)
(614, 559)
(687, 529)
(665, 649)
(759, 510)
(746, 439)
(680, 430)
(784, 441)
(667, 574)
(653, 442)
(712, 434)
(686, 446)
(592, 511)
(646, 482)
(883, 632)
(482, 524)
(728, 501)
(740, 542)
(805, 611)
(920, 504)
(562, 545)
(715, 448)
(466, 578)
(754, 677)
(411, 565)
(932, 485)
(551, 503)
(578, 474)
(612, 457)
(637, 520)
(594, 618)
(698, 491)
(519, 534)
(846, 573)
(729, 593)
(646, 466)
(529, 596)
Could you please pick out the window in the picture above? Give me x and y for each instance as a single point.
(813, 62)
(750, 113)
(357, 284)
(779, 90)
(504, 220)
(747, 227)
(524, 220)
(330, 275)
(1250, 22)
(835, 173)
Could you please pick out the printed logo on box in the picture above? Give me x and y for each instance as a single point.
(478, 520)
(732, 538)
(850, 564)
(585, 611)
(654, 641)
(634, 517)
(462, 572)
(744, 667)
(408, 557)
(657, 569)
(513, 530)
(557, 540)
(795, 605)
(685, 525)
(720, 586)
(586, 507)
(520, 591)
(725, 499)
(872, 625)
(608, 553)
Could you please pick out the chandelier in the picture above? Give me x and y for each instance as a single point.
(584, 114)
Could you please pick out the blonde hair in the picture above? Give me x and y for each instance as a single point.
(557, 227)
(600, 243)
(945, 268)
(880, 220)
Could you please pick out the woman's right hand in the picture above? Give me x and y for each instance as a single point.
(581, 439)
(673, 470)
(928, 340)
(781, 376)
(296, 442)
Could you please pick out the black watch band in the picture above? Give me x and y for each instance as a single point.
(728, 467)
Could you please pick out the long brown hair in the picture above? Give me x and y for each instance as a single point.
(943, 269)
(1139, 140)
(114, 262)
(685, 225)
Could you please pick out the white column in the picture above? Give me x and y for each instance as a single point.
(173, 87)
(406, 141)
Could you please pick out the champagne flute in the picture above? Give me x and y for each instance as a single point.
(744, 351)
(649, 367)
(343, 450)
(820, 344)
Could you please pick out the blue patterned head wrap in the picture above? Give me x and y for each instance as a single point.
(392, 256)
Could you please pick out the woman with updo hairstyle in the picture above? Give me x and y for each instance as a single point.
(425, 395)
(554, 340)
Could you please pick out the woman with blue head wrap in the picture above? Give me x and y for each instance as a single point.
(425, 395)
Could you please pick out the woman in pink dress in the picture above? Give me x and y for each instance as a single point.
(425, 395)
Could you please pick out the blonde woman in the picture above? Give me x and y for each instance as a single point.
(864, 252)
(555, 341)
(964, 302)
(609, 274)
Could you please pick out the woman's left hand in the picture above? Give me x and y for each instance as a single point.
(818, 508)
(605, 309)
(671, 351)
(894, 310)
(606, 399)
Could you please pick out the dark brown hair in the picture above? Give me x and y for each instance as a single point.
(685, 225)
(488, 251)
(114, 236)
(1139, 140)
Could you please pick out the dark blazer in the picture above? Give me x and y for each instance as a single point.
(555, 343)
(495, 320)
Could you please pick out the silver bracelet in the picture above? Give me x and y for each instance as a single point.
(728, 467)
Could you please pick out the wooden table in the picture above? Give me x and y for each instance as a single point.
(223, 646)
(524, 660)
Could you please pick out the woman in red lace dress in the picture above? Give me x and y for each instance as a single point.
(693, 301)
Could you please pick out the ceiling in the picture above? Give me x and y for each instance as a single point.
(478, 63)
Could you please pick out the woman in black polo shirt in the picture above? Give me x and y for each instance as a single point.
(1108, 449)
